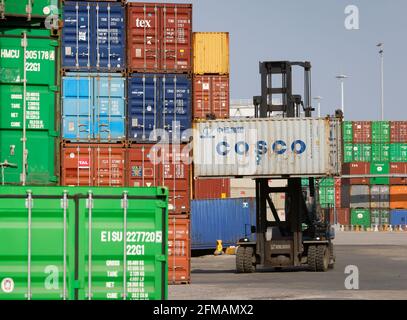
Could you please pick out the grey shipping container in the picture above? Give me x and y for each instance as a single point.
(360, 196)
(380, 197)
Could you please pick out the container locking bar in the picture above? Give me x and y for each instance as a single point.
(64, 205)
(125, 205)
(29, 205)
(89, 206)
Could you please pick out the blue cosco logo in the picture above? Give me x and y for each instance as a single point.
(279, 147)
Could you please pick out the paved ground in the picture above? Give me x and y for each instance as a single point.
(381, 259)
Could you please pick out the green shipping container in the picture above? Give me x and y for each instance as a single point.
(362, 153)
(347, 131)
(87, 243)
(327, 197)
(360, 217)
(380, 132)
(348, 153)
(380, 168)
(29, 8)
(327, 182)
(398, 152)
(380, 152)
(380, 217)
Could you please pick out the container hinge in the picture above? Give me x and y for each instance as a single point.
(54, 43)
(87, 204)
(161, 258)
(54, 88)
(29, 203)
(64, 203)
(125, 203)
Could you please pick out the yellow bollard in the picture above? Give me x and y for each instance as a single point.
(219, 248)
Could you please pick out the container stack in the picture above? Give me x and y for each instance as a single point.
(29, 92)
(373, 148)
(211, 97)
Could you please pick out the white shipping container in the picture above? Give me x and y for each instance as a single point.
(267, 147)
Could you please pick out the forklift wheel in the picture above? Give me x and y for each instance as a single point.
(245, 260)
(318, 258)
(332, 256)
(240, 254)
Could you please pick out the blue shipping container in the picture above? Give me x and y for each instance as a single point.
(93, 36)
(157, 101)
(221, 219)
(398, 217)
(93, 107)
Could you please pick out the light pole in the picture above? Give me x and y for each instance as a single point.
(381, 53)
(318, 99)
(342, 78)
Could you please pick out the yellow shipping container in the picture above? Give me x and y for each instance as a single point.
(211, 52)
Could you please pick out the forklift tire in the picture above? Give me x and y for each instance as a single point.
(322, 258)
(249, 260)
(312, 255)
(332, 256)
(240, 255)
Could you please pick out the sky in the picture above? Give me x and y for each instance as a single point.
(314, 30)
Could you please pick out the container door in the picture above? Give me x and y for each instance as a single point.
(202, 96)
(77, 165)
(38, 261)
(38, 8)
(143, 112)
(220, 96)
(109, 108)
(176, 107)
(143, 165)
(179, 251)
(77, 108)
(122, 239)
(76, 33)
(109, 166)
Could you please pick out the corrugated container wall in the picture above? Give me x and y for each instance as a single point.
(398, 131)
(398, 197)
(159, 37)
(398, 168)
(41, 97)
(398, 217)
(211, 189)
(93, 36)
(379, 197)
(211, 53)
(343, 216)
(28, 9)
(179, 250)
(356, 168)
(242, 188)
(361, 217)
(211, 97)
(362, 132)
(360, 196)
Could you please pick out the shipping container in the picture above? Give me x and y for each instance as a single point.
(159, 37)
(356, 168)
(398, 168)
(54, 230)
(211, 53)
(93, 107)
(29, 8)
(211, 97)
(363, 153)
(360, 217)
(359, 196)
(398, 217)
(156, 102)
(398, 152)
(228, 220)
(179, 250)
(327, 182)
(380, 152)
(267, 147)
(242, 188)
(347, 132)
(362, 132)
(398, 197)
(343, 216)
(143, 165)
(348, 153)
(379, 197)
(100, 165)
(378, 168)
(327, 197)
(398, 132)
(338, 192)
(380, 217)
(345, 196)
(211, 189)
(380, 132)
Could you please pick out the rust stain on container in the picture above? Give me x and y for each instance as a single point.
(211, 96)
(93, 165)
(159, 37)
(179, 250)
(398, 197)
(398, 131)
(398, 168)
(356, 168)
(362, 132)
(211, 189)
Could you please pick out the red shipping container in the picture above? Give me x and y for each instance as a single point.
(362, 132)
(356, 168)
(143, 165)
(398, 168)
(211, 96)
(93, 165)
(338, 187)
(343, 216)
(159, 37)
(211, 189)
(179, 250)
(398, 131)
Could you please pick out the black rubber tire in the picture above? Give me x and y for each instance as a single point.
(322, 258)
(332, 256)
(240, 256)
(249, 264)
(312, 256)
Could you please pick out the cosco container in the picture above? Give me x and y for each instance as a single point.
(101, 165)
(398, 197)
(380, 132)
(379, 168)
(179, 249)
(398, 132)
(398, 168)
(379, 197)
(159, 37)
(398, 152)
(398, 217)
(211, 53)
(267, 147)
(83, 243)
(360, 217)
(93, 107)
(160, 102)
(228, 220)
(211, 97)
(362, 132)
(93, 36)
(28, 8)
(359, 196)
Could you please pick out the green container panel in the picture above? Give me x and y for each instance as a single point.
(380, 168)
(348, 131)
(348, 152)
(42, 150)
(380, 217)
(380, 132)
(398, 152)
(38, 8)
(362, 153)
(327, 182)
(360, 217)
(380, 152)
(326, 196)
(146, 244)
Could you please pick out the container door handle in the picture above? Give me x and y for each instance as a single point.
(125, 206)
(89, 205)
(29, 206)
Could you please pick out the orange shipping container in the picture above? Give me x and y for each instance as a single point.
(211, 189)
(179, 250)
(398, 197)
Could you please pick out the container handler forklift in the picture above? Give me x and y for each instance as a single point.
(305, 237)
